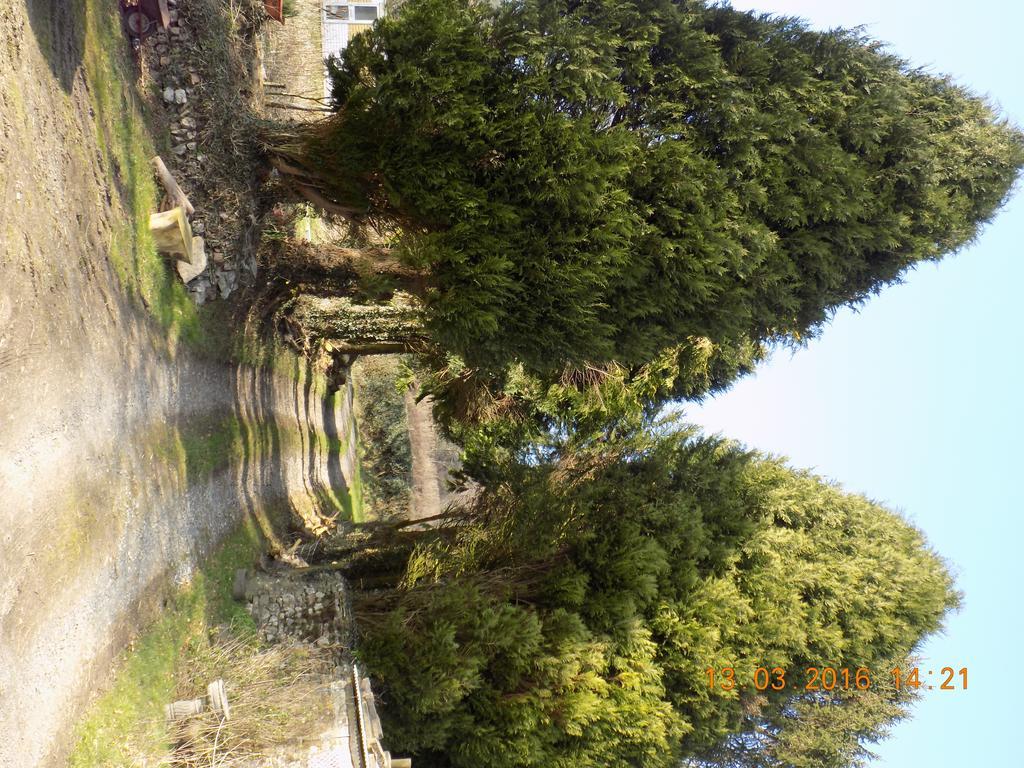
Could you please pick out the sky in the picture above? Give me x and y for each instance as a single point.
(914, 400)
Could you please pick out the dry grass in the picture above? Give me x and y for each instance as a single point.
(294, 59)
(225, 54)
(277, 696)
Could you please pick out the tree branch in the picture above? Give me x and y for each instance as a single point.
(282, 105)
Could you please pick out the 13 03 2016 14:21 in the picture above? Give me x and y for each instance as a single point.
(838, 678)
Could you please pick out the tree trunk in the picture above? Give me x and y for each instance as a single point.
(305, 185)
(347, 263)
(426, 473)
(359, 329)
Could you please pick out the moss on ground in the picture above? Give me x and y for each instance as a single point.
(211, 448)
(359, 511)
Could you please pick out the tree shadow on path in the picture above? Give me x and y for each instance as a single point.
(59, 28)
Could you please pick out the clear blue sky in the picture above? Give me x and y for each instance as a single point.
(915, 400)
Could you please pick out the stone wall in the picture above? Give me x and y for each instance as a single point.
(290, 607)
(313, 609)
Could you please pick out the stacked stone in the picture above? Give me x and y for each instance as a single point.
(313, 609)
(178, 83)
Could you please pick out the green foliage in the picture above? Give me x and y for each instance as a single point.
(571, 620)
(612, 205)
(500, 417)
(820, 730)
(386, 458)
(491, 682)
(598, 181)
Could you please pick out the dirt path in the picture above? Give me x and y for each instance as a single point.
(122, 460)
(427, 475)
(433, 459)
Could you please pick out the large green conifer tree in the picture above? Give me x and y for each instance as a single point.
(593, 181)
(569, 620)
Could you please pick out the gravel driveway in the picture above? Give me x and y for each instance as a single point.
(97, 504)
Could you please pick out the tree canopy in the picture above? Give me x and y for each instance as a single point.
(573, 620)
(598, 206)
(585, 182)
(823, 730)
(496, 417)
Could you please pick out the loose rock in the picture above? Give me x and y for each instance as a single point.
(289, 609)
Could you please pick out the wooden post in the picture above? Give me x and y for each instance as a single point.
(171, 185)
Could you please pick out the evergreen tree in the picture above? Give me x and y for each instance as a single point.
(585, 182)
(572, 617)
(820, 730)
(513, 415)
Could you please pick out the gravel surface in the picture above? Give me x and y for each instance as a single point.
(97, 509)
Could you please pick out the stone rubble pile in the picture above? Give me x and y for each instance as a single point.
(168, 57)
(314, 609)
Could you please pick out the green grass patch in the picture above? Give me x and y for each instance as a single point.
(212, 449)
(238, 551)
(357, 506)
(126, 148)
(309, 226)
(356, 492)
(127, 722)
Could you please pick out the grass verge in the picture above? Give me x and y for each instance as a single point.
(120, 121)
(126, 123)
(385, 453)
(127, 722)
